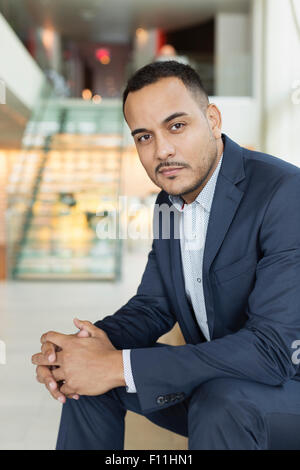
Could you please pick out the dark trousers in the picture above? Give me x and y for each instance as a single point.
(220, 414)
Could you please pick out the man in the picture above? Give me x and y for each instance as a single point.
(228, 271)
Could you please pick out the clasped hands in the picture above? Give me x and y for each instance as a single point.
(85, 363)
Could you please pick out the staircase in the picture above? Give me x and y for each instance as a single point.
(66, 182)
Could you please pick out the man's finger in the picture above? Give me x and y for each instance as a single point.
(53, 337)
(83, 334)
(74, 396)
(44, 376)
(49, 351)
(56, 393)
(66, 390)
(40, 360)
(87, 326)
(43, 373)
(58, 374)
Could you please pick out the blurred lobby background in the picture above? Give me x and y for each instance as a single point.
(67, 160)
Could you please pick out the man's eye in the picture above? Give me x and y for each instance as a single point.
(178, 125)
(144, 137)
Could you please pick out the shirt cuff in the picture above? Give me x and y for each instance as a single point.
(130, 385)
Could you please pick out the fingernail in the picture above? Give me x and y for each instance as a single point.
(52, 385)
(76, 397)
(61, 399)
(51, 357)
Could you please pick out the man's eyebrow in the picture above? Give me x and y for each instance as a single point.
(166, 120)
(138, 131)
(173, 116)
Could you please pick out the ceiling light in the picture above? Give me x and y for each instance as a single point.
(86, 94)
(142, 35)
(103, 55)
(97, 99)
(48, 38)
(105, 60)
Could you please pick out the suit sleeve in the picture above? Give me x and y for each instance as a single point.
(145, 317)
(262, 350)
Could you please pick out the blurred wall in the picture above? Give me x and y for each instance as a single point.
(18, 69)
(233, 54)
(281, 79)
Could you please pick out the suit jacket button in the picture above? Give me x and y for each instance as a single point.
(160, 400)
(179, 396)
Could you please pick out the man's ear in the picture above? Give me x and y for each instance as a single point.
(214, 118)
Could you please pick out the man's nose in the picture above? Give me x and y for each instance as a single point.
(164, 149)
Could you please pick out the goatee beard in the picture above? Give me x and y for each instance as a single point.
(200, 182)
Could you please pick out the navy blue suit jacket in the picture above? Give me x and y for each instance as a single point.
(251, 282)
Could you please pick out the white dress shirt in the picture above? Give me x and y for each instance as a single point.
(193, 222)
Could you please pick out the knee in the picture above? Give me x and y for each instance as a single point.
(225, 390)
(215, 392)
(221, 400)
(90, 404)
(210, 405)
(222, 416)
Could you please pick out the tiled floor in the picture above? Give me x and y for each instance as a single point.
(29, 417)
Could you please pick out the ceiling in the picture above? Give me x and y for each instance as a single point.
(110, 21)
(117, 20)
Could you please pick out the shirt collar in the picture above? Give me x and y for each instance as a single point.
(205, 197)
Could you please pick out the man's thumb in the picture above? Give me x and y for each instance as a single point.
(83, 334)
(86, 328)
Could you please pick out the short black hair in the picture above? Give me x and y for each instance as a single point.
(153, 72)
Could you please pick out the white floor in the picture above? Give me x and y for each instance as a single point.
(29, 417)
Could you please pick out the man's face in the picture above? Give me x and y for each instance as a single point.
(177, 140)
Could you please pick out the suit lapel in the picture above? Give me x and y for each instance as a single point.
(227, 198)
(226, 202)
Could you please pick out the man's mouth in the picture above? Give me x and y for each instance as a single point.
(170, 171)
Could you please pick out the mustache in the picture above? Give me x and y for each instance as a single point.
(170, 164)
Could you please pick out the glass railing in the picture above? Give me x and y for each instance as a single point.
(65, 184)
